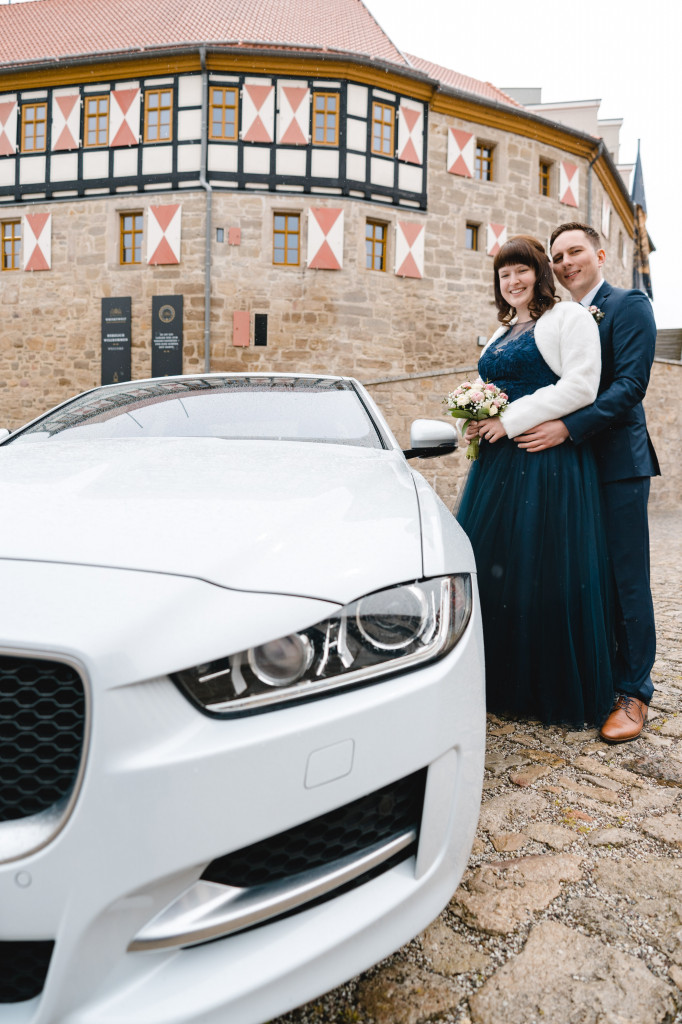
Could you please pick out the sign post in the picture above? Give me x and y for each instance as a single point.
(116, 340)
(166, 335)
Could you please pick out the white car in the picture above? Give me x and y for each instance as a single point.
(241, 699)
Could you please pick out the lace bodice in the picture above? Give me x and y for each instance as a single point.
(515, 365)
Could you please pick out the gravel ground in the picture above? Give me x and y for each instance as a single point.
(569, 910)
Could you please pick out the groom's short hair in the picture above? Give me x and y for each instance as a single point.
(575, 225)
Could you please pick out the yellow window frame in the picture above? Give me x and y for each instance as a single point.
(383, 124)
(376, 232)
(33, 117)
(471, 230)
(156, 103)
(329, 111)
(287, 231)
(484, 162)
(131, 230)
(224, 104)
(11, 245)
(543, 183)
(97, 111)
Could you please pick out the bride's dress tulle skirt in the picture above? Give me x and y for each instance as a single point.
(535, 523)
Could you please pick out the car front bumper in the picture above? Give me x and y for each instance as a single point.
(166, 790)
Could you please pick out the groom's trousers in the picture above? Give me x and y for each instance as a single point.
(627, 531)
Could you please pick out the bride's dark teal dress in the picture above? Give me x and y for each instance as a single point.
(534, 520)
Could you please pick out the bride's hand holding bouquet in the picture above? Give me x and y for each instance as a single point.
(476, 402)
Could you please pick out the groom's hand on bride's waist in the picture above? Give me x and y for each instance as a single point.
(545, 435)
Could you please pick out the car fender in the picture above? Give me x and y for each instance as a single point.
(445, 546)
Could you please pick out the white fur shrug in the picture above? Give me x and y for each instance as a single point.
(568, 340)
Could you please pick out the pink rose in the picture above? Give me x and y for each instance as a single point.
(503, 397)
(490, 387)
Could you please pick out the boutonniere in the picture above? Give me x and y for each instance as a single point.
(597, 313)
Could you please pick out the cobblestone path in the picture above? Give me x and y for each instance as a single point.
(570, 911)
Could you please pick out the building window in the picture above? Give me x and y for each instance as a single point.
(544, 178)
(326, 118)
(471, 237)
(375, 245)
(11, 244)
(483, 163)
(224, 105)
(286, 241)
(158, 112)
(96, 120)
(131, 238)
(33, 127)
(383, 117)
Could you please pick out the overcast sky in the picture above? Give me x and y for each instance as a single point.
(626, 53)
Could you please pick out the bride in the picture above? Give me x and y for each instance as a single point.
(534, 518)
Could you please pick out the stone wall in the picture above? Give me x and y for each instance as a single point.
(50, 345)
(665, 427)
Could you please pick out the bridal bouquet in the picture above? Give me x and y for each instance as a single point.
(475, 401)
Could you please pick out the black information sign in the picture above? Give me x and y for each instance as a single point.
(166, 335)
(115, 340)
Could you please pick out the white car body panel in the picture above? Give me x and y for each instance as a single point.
(445, 546)
(128, 626)
(134, 560)
(205, 507)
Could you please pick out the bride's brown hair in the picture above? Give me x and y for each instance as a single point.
(531, 253)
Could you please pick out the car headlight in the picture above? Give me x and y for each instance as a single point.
(381, 633)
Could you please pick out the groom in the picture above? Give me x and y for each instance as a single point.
(626, 459)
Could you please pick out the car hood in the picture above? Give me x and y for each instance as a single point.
(316, 520)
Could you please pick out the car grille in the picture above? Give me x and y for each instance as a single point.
(23, 967)
(348, 830)
(42, 725)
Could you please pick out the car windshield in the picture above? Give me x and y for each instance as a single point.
(257, 408)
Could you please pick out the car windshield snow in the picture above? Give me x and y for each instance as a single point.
(246, 408)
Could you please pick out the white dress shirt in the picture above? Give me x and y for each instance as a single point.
(586, 300)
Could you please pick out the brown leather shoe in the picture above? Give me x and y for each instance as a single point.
(626, 720)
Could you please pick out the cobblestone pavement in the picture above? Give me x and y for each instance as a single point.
(570, 910)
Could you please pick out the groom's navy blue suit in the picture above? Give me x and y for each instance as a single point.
(616, 426)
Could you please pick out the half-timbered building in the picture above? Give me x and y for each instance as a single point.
(279, 180)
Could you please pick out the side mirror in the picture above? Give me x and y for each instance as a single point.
(431, 438)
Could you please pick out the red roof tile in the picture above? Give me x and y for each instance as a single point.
(44, 29)
(453, 79)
